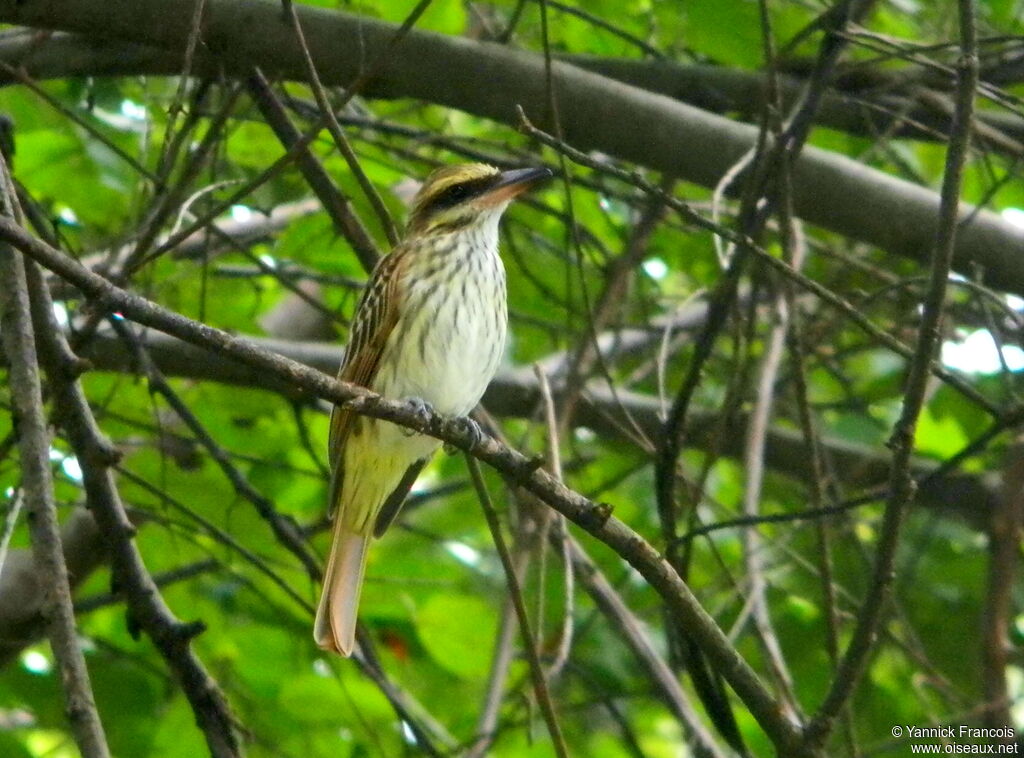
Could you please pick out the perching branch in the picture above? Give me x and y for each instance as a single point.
(594, 518)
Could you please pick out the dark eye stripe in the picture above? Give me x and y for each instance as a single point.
(456, 193)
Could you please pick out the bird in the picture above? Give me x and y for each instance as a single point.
(429, 329)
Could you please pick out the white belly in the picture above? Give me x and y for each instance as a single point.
(448, 343)
(444, 349)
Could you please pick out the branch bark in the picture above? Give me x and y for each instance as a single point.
(884, 105)
(37, 483)
(34, 444)
(142, 596)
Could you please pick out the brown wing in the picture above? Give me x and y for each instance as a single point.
(375, 317)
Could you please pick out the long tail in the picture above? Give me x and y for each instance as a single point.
(335, 627)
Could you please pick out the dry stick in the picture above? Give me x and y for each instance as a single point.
(327, 113)
(594, 518)
(170, 142)
(901, 484)
(487, 721)
(753, 466)
(179, 140)
(818, 485)
(559, 534)
(793, 243)
(540, 686)
(760, 416)
(96, 454)
(34, 444)
(337, 206)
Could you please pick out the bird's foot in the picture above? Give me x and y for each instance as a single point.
(476, 433)
(423, 412)
(470, 427)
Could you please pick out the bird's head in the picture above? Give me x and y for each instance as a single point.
(460, 197)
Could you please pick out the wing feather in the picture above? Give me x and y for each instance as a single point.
(375, 318)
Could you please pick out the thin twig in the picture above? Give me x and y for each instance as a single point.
(501, 661)
(560, 531)
(753, 466)
(540, 685)
(901, 484)
(285, 530)
(334, 128)
(334, 202)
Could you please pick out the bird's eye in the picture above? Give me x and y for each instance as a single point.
(455, 194)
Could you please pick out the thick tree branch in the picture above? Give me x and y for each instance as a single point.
(882, 105)
(490, 80)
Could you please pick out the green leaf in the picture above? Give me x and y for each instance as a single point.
(458, 632)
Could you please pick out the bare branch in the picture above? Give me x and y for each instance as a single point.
(34, 443)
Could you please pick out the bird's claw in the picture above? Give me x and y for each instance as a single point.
(423, 412)
(473, 429)
(470, 427)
